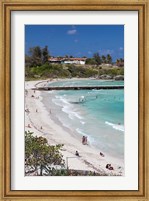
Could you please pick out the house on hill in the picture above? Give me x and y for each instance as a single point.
(55, 60)
(75, 61)
(67, 60)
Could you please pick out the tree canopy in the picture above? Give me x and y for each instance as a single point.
(45, 55)
(97, 58)
(39, 153)
(103, 59)
(109, 59)
(37, 56)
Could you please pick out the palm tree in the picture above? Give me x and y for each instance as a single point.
(121, 60)
(109, 59)
(103, 59)
(97, 60)
(117, 62)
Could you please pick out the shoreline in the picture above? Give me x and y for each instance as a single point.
(56, 133)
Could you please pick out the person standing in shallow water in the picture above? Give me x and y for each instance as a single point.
(83, 140)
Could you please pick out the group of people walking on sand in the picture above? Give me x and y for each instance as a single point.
(84, 140)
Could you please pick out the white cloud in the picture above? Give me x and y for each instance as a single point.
(71, 32)
(121, 48)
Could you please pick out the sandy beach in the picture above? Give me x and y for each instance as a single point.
(43, 122)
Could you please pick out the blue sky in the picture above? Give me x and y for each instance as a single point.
(77, 40)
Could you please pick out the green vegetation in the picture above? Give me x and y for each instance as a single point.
(39, 154)
(37, 66)
(98, 60)
(59, 71)
(47, 159)
(111, 71)
(70, 70)
(37, 56)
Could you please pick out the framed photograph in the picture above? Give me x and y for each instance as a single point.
(74, 100)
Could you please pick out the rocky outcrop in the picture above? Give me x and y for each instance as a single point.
(105, 77)
(119, 77)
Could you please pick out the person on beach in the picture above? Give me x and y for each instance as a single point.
(36, 110)
(77, 153)
(27, 110)
(83, 140)
(109, 167)
(29, 126)
(101, 154)
(41, 127)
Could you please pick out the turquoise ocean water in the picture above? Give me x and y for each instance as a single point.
(97, 114)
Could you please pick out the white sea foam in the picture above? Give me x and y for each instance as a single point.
(64, 100)
(77, 115)
(81, 132)
(57, 102)
(116, 126)
(66, 107)
(50, 92)
(71, 113)
(57, 96)
(67, 110)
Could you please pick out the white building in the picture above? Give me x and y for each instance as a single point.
(68, 60)
(75, 61)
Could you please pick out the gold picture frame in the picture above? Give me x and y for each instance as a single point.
(6, 6)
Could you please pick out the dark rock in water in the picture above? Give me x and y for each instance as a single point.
(119, 77)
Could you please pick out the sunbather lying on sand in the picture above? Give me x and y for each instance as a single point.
(108, 166)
